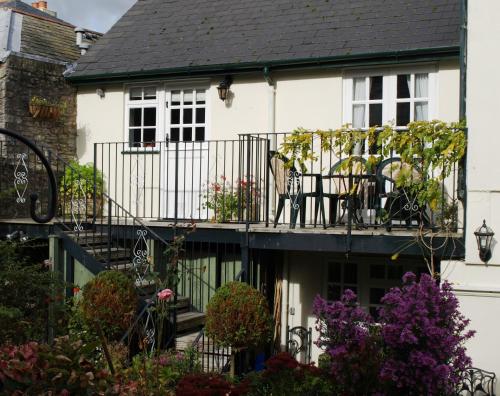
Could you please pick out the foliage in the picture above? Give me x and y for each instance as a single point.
(228, 201)
(417, 348)
(78, 328)
(423, 334)
(110, 301)
(42, 369)
(432, 147)
(284, 376)
(350, 339)
(78, 181)
(238, 316)
(203, 384)
(157, 375)
(27, 289)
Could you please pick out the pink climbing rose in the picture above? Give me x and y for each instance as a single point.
(165, 294)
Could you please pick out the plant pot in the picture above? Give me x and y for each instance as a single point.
(44, 111)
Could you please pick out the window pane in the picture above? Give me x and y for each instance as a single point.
(404, 81)
(376, 87)
(135, 117)
(350, 273)
(200, 97)
(188, 116)
(174, 134)
(187, 134)
(134, 137)
(421, 111)
(377, 271)
(200, 115)
(200, 134)
(395, 272)
(150, 93)
(333, 293)
(149, 136)
(403, 114)
(421, 85)
(135, 93)
(150, 116)
(376, 295)
(375, 114)
(354, 289)
(188, 97)
(176, 98)
(175, 116)
(359, 89)
(335, 273)
(358, 116)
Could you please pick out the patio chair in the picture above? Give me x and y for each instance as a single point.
(401, 204)
(288, 183)
(336, 187)
(477, 382)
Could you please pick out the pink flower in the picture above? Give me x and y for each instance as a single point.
(165, 294)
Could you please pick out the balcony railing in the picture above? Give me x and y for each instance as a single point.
(244, 181)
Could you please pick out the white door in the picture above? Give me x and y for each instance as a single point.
(186, 154)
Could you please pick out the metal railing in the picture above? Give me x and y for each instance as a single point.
(240, 181)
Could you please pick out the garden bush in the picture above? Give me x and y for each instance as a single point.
(416, 348)
(110, 301)
(203, 384)
(238, 316)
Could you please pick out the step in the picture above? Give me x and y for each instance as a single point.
(88, 238)
(101, 253)
(190, 320)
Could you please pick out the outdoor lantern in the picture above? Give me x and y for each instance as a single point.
(484, 236)
(223, 87)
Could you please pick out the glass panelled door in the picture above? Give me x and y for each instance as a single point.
(186, 154)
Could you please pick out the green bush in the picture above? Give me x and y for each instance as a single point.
(27, 289)
(110, 300)
(238, 316)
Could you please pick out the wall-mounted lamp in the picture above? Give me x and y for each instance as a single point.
(223, 87)
(100, 92)
(484, 237)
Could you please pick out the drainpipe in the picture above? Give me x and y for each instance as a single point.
(271, 126)
(462, 186)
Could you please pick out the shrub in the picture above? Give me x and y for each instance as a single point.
(110, 299)
(238, 316)
(27, 289)
(351, 341)
(423, 334)
(203, 384)
(285, 376)
(41, 369)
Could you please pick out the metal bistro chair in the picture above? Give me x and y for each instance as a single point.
(477, 382)
(336, 189)
(289, 187)
(401, 204)
(299, 340)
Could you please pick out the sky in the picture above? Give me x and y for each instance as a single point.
(98, 15)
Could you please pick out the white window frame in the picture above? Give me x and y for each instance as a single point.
(389, 91)
(163, 88)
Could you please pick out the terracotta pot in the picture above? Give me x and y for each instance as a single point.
(44, 112)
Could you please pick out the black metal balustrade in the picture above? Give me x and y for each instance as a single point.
(245, 181)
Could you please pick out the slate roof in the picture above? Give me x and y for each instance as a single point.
(22, 7)
(174, 35)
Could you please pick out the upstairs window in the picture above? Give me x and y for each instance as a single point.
(142, 116)
(187, 115)
(412, 98)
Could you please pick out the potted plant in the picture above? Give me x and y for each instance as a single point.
(43, 108)
(76, 189)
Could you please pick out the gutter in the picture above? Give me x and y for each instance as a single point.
(379, 58)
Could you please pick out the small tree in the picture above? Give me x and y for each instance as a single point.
(423, 335)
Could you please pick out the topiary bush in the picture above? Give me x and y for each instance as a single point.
(110, 299)
(238, 316)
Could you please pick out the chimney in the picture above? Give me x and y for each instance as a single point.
(42, 6)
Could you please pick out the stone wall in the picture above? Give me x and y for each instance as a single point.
(21, 79)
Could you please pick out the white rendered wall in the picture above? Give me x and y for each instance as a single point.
(478, 285)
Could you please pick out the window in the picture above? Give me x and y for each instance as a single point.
(341, 276)
(390, 97)
(154, 113)
(142, 108)
(187, 115)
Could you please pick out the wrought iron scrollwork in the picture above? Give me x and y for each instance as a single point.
(140, 260)
(21, 178)
(293, 188)
(299, 340)
(477, 382)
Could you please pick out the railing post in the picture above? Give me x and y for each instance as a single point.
(176, 183)
(268, 175)
(94, 203)
(350, 203)
(109, 233)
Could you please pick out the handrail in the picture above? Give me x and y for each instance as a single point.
(52, 179)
